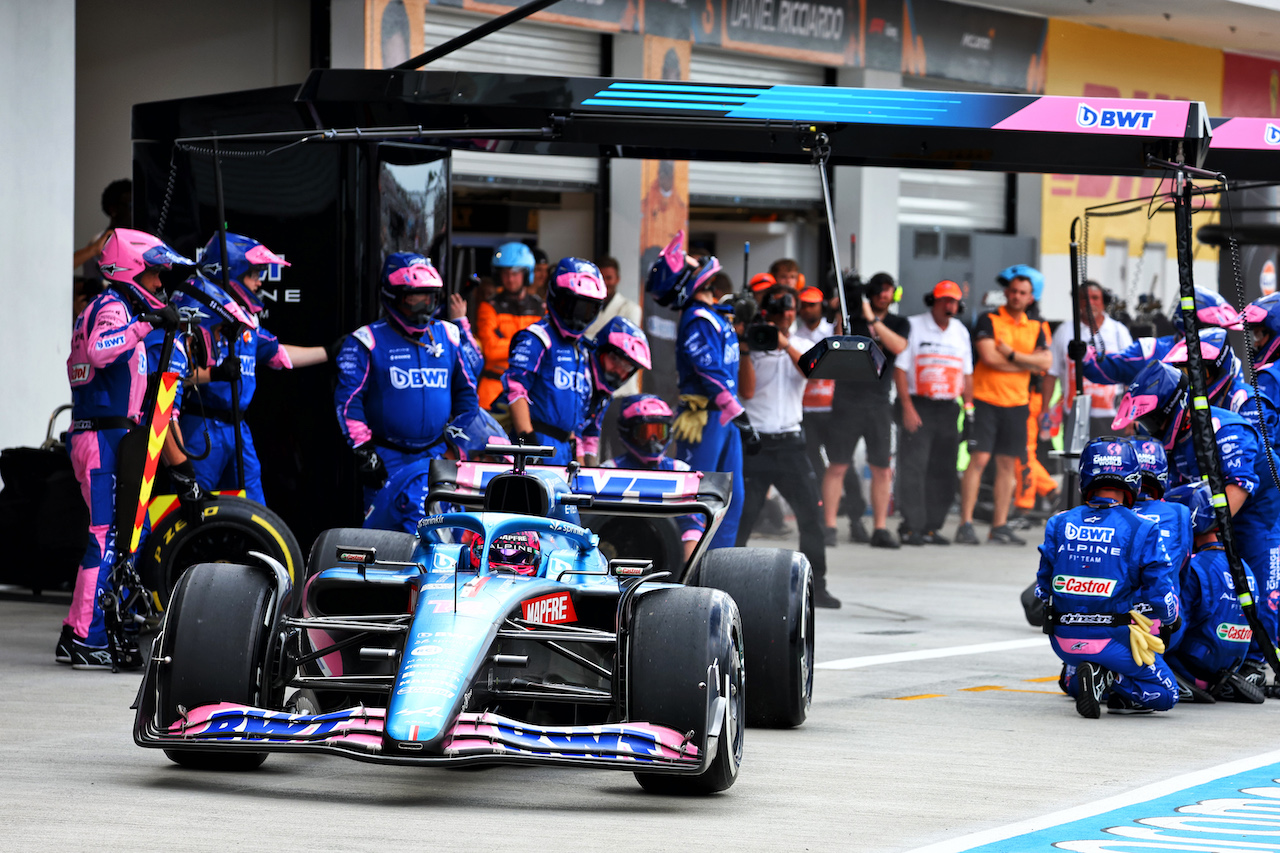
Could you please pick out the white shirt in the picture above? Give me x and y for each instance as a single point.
(778, 404)
(818, 393)
(936, 360)
(1113, 338)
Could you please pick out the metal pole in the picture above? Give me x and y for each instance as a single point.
(823, 151)
(490, 26)
(235, 337)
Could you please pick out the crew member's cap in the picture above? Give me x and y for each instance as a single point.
(947, 287)
(762, 281)
(811, 294)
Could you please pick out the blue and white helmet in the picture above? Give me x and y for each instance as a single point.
(1156, 401)
(672, 280)
(1198, 498)
(1153, 465)
(1110, 462)
(1221, 366)
(470, 433)
(1211, 310)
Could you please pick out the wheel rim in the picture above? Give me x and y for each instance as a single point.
(737, 676)
(216, 543)
(806, 644)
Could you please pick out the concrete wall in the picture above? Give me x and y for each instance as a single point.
(37, 110)
(130, 51)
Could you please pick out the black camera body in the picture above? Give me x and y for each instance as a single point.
(762, 336)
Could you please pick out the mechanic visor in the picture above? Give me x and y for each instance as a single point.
(653, 431)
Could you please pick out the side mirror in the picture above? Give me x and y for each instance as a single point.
(851, 357)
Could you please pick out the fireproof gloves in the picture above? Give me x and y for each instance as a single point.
(1143, 645)
(692, 419)
(750, 438)
(163, 318)
(369, 468)
(227, 370)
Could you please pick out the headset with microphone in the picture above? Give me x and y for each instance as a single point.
(943, 289)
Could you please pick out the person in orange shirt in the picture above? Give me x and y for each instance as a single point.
(514, 308)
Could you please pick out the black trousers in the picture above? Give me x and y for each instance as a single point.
(927, 465)
(784, 463)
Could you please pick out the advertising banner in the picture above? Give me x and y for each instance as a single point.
(977, 45)
(1250, 86)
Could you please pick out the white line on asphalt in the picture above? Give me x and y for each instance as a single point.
(1138, 795)
(926, 654)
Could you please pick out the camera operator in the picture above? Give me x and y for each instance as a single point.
(863, 411)
(772, 386)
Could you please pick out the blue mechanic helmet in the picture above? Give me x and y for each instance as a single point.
(1221, 366)
(1026, 271)
(1265, 312)
(1211, 310)
(514, 254)
(1198, 498)
(1156, 400)
(1153, 464)
(471, 432)
(1110, 462)
(672, 280)
(246, 255)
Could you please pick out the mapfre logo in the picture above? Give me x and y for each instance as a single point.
(1099, 587)
(1234, 633)
(1087, 116)
(1078, 533)
(550, 609)
(419, 377)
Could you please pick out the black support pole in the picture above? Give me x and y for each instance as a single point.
(235, 331)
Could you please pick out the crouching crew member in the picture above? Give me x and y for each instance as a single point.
(1099, 561)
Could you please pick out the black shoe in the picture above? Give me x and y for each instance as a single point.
(857, 531)
(823, 598)
(1003, 535)
(1235, 687)
(1188, 692)
(62, 651)
(1019, 522)
(1117, 704)
(910, 537)
(88, 657)
(1092, 685)
(882, 538)
(1254, 672)
(933, 537)
(829, 534)
(965, 534)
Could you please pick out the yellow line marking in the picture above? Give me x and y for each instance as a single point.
(921, 696)
(1045, 692)
(981, 688)
(1043, 680)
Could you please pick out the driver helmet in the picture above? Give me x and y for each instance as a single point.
(1265, 312)
(1198, 498)
(129, 253)
(518, 553)
(514, 255)
(1153, 464)
(246, 256)
(1026, 271)
(673, 281)
(575, 293)
(1220, 363)
(1112, 462)
(1156, 400)
(470, 433)
(627, 344)
(645, 426)
(405, 274)
(1211, 310)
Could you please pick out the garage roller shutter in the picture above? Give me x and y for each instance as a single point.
(522, 48)
(775, 184)
(968, 201)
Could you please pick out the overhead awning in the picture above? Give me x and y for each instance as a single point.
(1245, 148)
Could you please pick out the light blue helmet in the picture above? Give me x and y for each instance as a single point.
(1026, 271)
(516, 255)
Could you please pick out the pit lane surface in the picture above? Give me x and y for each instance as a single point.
(903, 748)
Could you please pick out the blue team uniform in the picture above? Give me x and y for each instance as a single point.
(1268, 378)
(707, 365)
(1099, 561)
(691, 526)
(553, 374)
(1215, 635)
(1174, 521)
(401, 392)
(1121, 368)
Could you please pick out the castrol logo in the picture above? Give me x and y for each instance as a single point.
(1235, 633)
(1100, 587)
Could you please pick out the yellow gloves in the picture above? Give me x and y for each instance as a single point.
(1143, 645)
(690, 422)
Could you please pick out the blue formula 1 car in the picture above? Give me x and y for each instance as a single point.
(498, 634)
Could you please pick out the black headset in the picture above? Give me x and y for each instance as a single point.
(929, 300)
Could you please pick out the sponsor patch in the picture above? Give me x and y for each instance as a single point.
(419, 377)
(1234, 633)
(79, 373)
(109, 342)
(1080, 533)
(551, 609)
(1098, 587)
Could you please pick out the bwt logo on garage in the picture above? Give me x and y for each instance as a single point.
(420, 377)
(1087, 116)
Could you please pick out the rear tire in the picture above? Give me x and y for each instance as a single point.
(773, 588)
(676, 635)
(216, 636)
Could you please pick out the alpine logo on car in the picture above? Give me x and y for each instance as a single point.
(551, 609)
(1099, 587)
(419, 377)
(1234, 633)
(1079, 533)
(1271, 135)
(1087, 116)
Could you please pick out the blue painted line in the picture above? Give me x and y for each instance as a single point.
(611, 102)
(717, 90)
(1234, 806)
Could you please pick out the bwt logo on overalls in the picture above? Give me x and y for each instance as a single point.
(1087, 116)
(1080, 533)
(419, 377)
(572, 380)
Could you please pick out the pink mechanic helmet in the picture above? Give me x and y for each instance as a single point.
(128, 253)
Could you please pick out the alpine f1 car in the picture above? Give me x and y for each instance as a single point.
(498, 634)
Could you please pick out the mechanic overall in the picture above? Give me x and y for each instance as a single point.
(1173, 519)
(620, 350)
(712, 428)
(644, 428)
(210, 411)
(1263, 316)
(549, 383)
(515, 307)
(401, 379)
(1099, 561)
(1158, 402)
(108, 371)
(933, 371)
(772, 387)
(1215, 636)
(1101, 336)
